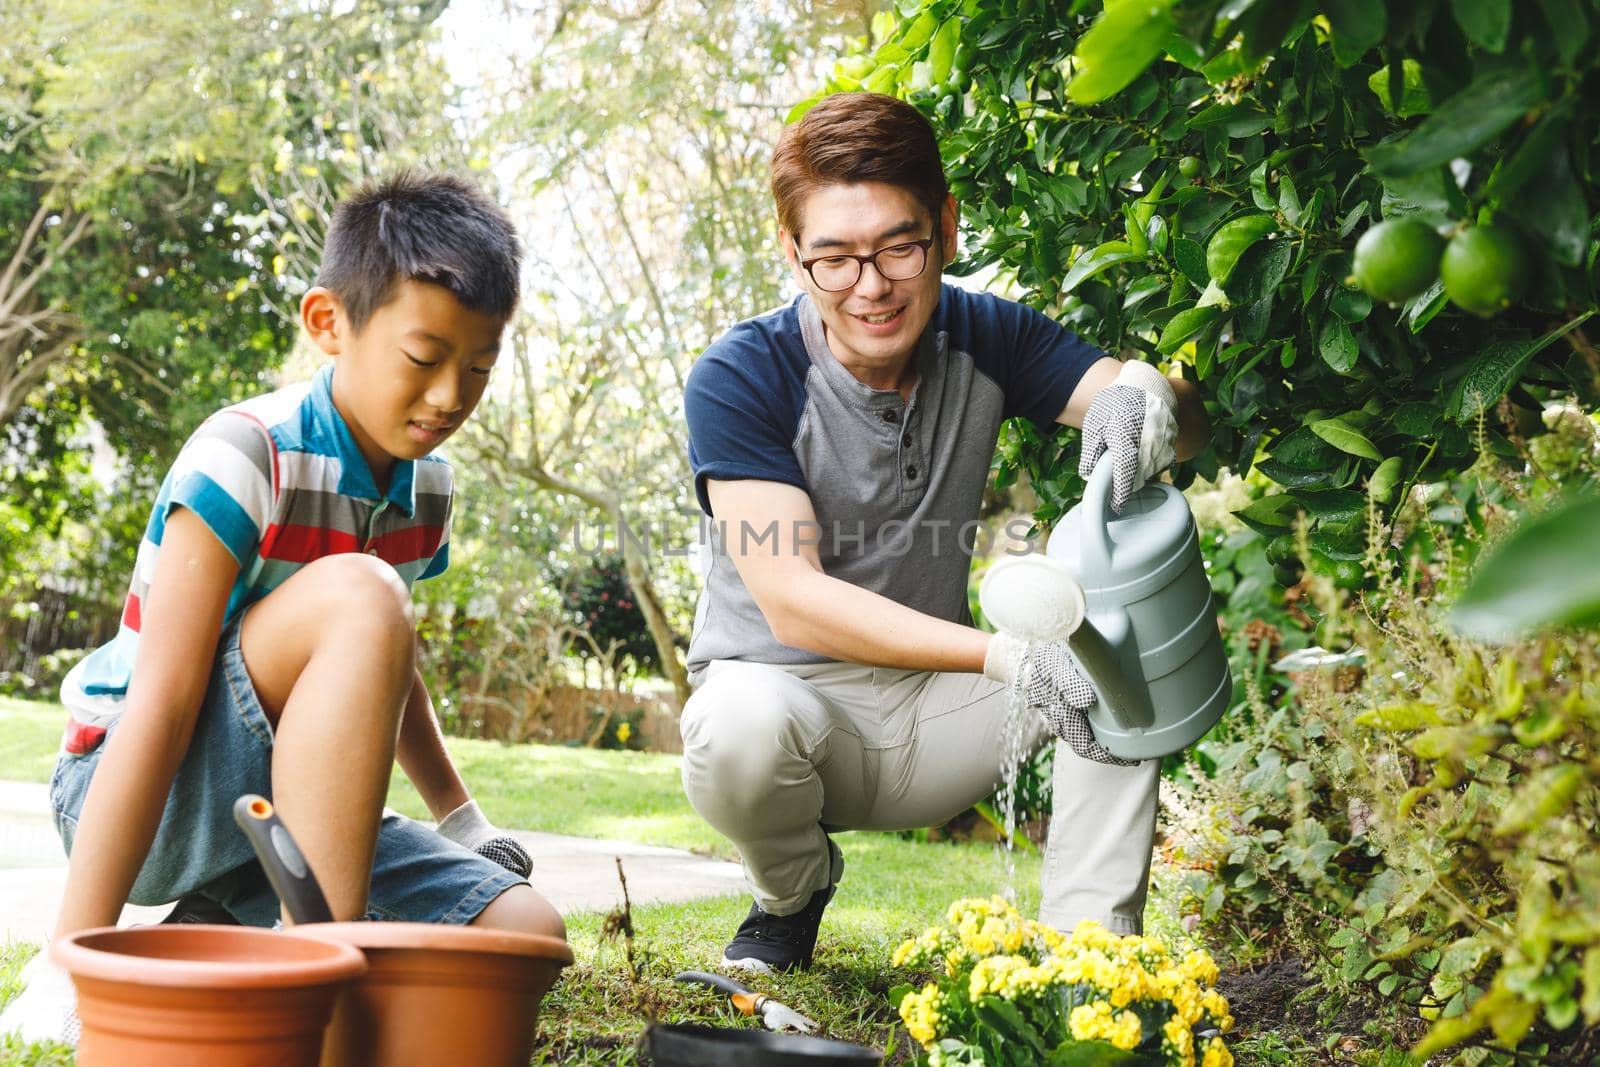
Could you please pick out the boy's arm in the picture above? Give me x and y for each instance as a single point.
(181, 620)
(421, 754)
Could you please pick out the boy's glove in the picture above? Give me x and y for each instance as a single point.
(1136, 419)
(467, 827)
(1052, 685)
(47, 1007)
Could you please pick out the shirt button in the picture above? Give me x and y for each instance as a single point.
(891, 415)
(911, 472)
(906, 440)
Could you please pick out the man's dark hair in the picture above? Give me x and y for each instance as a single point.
(849, 138)
(424, 227)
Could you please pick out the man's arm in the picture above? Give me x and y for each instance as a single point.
(808, 609)
(181, 620)
(421, 754)
(1194, 427)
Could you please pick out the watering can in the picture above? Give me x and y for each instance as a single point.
(1129, 595)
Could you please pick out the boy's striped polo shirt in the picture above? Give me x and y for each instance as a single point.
(280, 481)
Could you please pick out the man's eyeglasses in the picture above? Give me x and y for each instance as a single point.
(841, 271)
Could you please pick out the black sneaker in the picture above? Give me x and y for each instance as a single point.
(195, 908)
(771, 943)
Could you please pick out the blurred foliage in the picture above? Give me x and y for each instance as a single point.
(1185, 181)
(165, 191)
(598, 599)
(1421, 830)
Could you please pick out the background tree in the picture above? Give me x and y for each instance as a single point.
(642, 136)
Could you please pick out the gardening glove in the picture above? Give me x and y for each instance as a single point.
(1052, 685)
(467, 827)
(47, 1007)
(1136, 419)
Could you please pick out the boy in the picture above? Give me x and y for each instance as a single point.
(267, 643)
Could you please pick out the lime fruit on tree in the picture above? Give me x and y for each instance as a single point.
(1189, 166)
(1397, 259)
(1484, 269)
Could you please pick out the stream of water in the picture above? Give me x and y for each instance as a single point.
(1014, 755)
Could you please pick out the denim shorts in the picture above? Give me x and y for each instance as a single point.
(418, 876)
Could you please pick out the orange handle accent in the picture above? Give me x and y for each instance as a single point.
(747, 1003)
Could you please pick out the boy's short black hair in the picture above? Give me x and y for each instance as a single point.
(426, 227)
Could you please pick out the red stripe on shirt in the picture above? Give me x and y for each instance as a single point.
(407, 545)
(82, 738)
(130, 613)
(302, 544)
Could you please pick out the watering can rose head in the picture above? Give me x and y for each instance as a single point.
(1012, 991)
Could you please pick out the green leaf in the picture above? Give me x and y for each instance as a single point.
(1259, 271)
(1553, 207)
(1184, 326)
(1543, 574)
(1125, 39)
(1095, 1054)
(1358, 25)
(1485, 22)
(1545, 794)
(1346, 438)
(1493, 101)
(919, 32)
(1231, 240)
(1382, 484)
(942, 50)
(1271, 514)
(1495, 369)
(899, 992)
(1414, 99)
(1337, 344)
(1191, 260)
(1096, 260)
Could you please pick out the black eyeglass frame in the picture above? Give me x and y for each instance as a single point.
(926, 244)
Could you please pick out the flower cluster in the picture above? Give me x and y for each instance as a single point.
(1009, 990)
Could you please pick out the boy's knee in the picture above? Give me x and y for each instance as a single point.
(356, 589)
(522, 910)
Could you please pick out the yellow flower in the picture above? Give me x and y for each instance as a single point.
(1127, 1031)
(1179, 1040)
(1216, 1006)
(1217, 1054)
(1200, 967)
(920, 1012)
(1091, 1022)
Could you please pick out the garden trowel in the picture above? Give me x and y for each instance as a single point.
(774, 1015)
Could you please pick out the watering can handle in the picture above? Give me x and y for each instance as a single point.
(1096, 531)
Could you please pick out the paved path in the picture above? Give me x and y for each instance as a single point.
(576, 873)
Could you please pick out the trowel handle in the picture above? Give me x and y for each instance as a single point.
(1097, 516)
(287, 870)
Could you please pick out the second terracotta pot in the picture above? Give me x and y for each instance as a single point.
(437, 995)
(202, 996)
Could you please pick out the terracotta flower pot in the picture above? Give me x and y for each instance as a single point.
(439, 995)
(186, 996)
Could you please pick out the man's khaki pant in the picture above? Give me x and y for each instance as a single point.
(773, 755)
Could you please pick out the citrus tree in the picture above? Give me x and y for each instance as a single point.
(1363, 228)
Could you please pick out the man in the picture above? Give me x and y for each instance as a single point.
(841, 446)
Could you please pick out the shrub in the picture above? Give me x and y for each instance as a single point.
(1426, 835)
